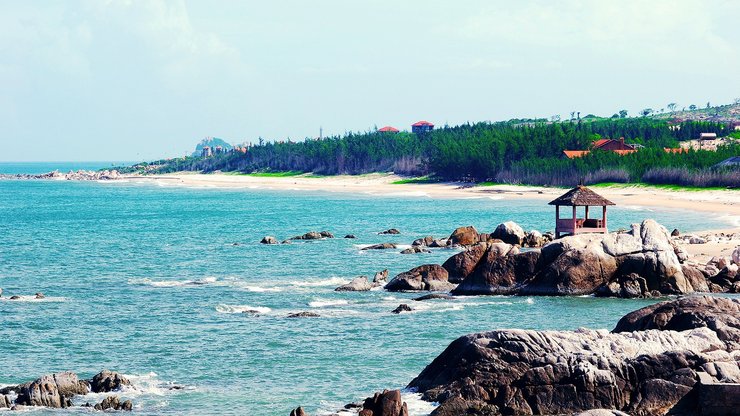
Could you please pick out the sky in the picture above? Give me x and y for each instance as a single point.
(141, 80)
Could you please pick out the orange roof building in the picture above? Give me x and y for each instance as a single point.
(388, 129)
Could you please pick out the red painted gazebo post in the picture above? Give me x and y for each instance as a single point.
(604, 218)
(575, 220)
(557, 221)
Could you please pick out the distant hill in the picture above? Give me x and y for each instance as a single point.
(212, 142)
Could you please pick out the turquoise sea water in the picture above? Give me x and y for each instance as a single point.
(147, 280)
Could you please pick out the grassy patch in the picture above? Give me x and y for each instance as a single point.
(657, 186)
(275, 174)
(420, 179)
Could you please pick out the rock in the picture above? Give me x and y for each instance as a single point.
(304, 315)
(402, 308)
(286, 242)
(358, 284)
(39, 295)
(390, 231)
(426, 241)
(51, 390)
(387, 403)
(326, 234)
(268, 239)
(427, 277)
(695, 277)
(298, 412)
(574, 273)
(601, 412)
(464, 236)
(380, 277)
(462, 264)
(439, 243)
(1, 292)
(501, 272)
(311, 235)
(735, 257)
(509, 232)
(534, 239)
(697, 240)
(114, 403)
(643, 372)
(15, 297)
(5, 402)
(107, 381)
(675, 232)
(630, 286)
(346, 236)
(434, 296)
(382, 246)
(415, 250)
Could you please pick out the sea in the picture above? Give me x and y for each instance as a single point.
(170, 286)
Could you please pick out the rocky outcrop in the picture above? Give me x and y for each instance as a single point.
(298, 412)
(380, 278)
(390, 231)
(382, 246)
(303, 315)
(107, 381)
(427, 277)
(79, 175)
(509, 232)
(350, 236)
(358, 284)
(653, 370)
(638, 263)
(464, 236)
(426, 241)
(312, 235)
(56, 390)
(268, 239)
(387, 403)
(114, 403)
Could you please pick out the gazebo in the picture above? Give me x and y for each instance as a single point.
(580, 196)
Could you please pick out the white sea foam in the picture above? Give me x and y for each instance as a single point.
(333, 281)
(529, 301)
(222, 308)
(260, 289)
(417, 406)
(322, 303)
(495, 197)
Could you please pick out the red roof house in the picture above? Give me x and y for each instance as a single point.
(388, 129)
(422, 127)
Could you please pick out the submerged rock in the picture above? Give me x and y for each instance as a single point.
(415, 250)
(326, 234)
(644, 372)
(358, 284)
(346, 236)
(427, 277)
(298, 412)
(311, 235)
(382, 246)
(390, 231)
(402, 308)
(426, 241)
(380, 277)
(114, 403)
(268, 239)
(304, 315)
(434, 296)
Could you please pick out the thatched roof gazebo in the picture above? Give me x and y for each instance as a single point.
(580, 196)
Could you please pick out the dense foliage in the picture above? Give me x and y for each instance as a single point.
(510, 152)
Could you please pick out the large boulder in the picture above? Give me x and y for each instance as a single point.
(463, 263)
(575, 272)
(464, 236)
(51, 390)
(427, 277)
(387, 403)
(509, 232)
(644, 372)
(500, 274)
(358, 284)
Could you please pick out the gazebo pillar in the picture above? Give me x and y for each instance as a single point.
(603, 217)
(586, 217)
(575, 219)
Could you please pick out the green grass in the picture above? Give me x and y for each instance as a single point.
(657, 186)
(420, 179)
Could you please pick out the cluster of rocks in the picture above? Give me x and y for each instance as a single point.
(508, 232)
(37, 295)
(80, 175)
(362, 284)
(658, 360)
(311, 235)
(723, 273)
(720, 237)
(57, 390)
(641, 262)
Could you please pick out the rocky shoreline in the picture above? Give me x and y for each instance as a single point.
(79, 175)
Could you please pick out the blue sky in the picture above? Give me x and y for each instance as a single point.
(138, 80)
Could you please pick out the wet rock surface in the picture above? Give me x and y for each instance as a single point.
(427, 277)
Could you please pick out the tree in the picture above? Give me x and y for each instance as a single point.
(708, 104)
(672, 107)
(646, 112)
(622, 113)
(692, 107)
(555, 118)
(573, 113)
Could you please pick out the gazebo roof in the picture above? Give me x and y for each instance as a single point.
(581, 196)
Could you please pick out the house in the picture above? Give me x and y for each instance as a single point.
(708, 136)
(206, 152)
(388, 129)
(612, 144)
(421, 127)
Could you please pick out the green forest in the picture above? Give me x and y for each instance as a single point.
(501, 152)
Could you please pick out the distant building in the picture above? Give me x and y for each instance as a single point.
(388, 129)
(707, 136)
(421, 127)
(218, 150)
(612, 144)
(206, 152)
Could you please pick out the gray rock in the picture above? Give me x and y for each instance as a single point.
(432, 296)
(114, 403)
(304, 315)
(380, 277)
(402, 308)
(298, 412)
(390, 231)
(326, 234)
(509, 232)
(382, 246)
(268, 239)
(358, 284)
(346, 236)
(51, 390)
(415, 250)
(107, 381)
